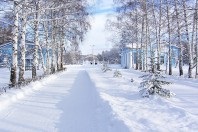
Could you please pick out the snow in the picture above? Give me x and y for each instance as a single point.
(5, 75)
(149, 114)
(84, 99)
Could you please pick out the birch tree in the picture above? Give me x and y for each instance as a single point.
(196, 39)
(22, 43)
(179, 38)
(34, 13)
(36, 39)
(13, 77)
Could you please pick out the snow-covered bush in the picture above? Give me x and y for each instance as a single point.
(105, 68)
(117, 73)
(152, 84)
(3, 90)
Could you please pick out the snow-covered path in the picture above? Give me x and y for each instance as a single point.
(84, 99)
(68, 102)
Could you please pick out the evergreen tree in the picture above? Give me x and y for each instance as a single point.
(153, 81)
(117, 73)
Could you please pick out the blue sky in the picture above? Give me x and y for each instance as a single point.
(97, 35)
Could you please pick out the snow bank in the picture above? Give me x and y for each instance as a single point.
(65, 102)
(148, 114)
(13, 95)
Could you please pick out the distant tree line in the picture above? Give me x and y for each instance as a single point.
(112, 56)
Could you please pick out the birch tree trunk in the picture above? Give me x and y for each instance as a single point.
(196, 60)
(159, 35)
(132, 56)
(47, 48)
(36, 41)
(179, 39)
(156, 36)
(146, 22)
(62, 50)
(42, 58)
(188, 39)
(58, 55)
(141, 48)
(191, 49)
(136, 37)
(53, 61)
(22, 44)
(196, 74)
(169, 39)
(13, 71)
(53, 49)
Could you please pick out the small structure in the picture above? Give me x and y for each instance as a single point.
(5, 54)
(28, 62)
(128, 56)
(174, 53)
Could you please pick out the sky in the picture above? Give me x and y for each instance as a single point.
(97, 35)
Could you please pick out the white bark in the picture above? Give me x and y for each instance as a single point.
(141, 49)
(159, 35)
(188, 39)
(147, 36)
(156, 35)
(58, 55)
(42, 58)
(22, 44)
(47, 48)
(53, 59)
(14, 48)
(136, 37)
(62, 50)
(169, 39)
(179, 39)
(196, 40)
(36, 43)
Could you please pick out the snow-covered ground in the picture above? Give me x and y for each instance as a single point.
(5, 75)
(178, 113)
(84, 99)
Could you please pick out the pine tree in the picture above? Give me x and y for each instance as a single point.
(105, 68)
(153, 81)
(117, 73)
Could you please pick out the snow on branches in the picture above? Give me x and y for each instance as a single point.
(105, 68)
(153, 81)
(117, 73)
(152, 84)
